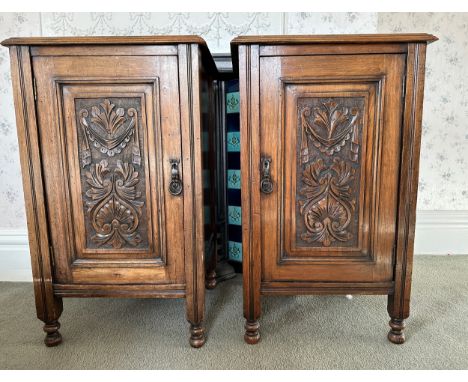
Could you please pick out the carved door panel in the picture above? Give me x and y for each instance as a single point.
(111, 145)
(329, 137)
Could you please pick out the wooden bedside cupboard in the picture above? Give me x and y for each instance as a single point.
(111, 133)
(330, 140)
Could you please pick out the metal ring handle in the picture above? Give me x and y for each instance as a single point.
(266, 184)
(175, 186)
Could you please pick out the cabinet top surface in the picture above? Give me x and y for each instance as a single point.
(105, 40)
(116, 40)
(334, 39)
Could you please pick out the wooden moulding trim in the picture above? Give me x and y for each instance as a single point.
(103, 50)
(191, 92)
(121, 293)
(123, 290)
(105, 40)
(294, 291)
(337, 39)
(334, 38)
(294, 287)
(411, 143)
(120, 286)
(22, 77)
(331, 49)
(249, 91)
(246, 162)
(118, 40)
(191, 166)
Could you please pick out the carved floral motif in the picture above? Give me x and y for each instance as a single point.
(114, 206)
(108, 132)
(332, 126)
(329, 204)
(328, 183)
(110, 181)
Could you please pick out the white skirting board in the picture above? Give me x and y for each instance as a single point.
(437, 233)
(441, 233)
(15, 264)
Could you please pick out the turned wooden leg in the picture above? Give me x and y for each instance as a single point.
(252, 334)
(210, 282)
(49, 311)
(396, 334)
(197, 335)
(53, 336)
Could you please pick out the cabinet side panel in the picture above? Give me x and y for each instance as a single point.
(48, 307)
(209, 163)
(249, 88)
(398, 303)
(189, 83)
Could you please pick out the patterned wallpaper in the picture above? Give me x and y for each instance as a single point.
(11, 189)
(443, 179)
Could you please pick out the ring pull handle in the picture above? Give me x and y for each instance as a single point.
(175, 186)
(266, 184)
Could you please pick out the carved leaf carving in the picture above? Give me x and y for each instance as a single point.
(332, 125)
(108, 132)
(328, 203)
(109, 119)
(328, 186)
(113, 188)
(114, 208)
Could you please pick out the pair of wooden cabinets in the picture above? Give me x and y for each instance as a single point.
(118, 156)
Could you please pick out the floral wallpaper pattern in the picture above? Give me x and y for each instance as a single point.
(330, 23)
(11, 189)
(443, 179)
(443, 176)
(217, 27)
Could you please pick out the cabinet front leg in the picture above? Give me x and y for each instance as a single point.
(252, 333)
(252, 307)
(196, 312)
(396, 334)
(49, 314)
(197, 335)
(398, 309)
(53, 336)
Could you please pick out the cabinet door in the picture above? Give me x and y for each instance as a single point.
(329, 147)
(111, 146)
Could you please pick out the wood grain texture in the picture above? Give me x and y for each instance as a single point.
(189, 77)
(327, 113)
(327, 191)
(104, 40)
(334, 39)
(366, 259)
(112, 174)
(97, 153)
(48, 306)
(116, 41)
(330, 49)
(63, 83)
(276, 45)
(250, 159)
(399, 302)
(211, 169)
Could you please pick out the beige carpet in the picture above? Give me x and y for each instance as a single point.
(308, 332)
